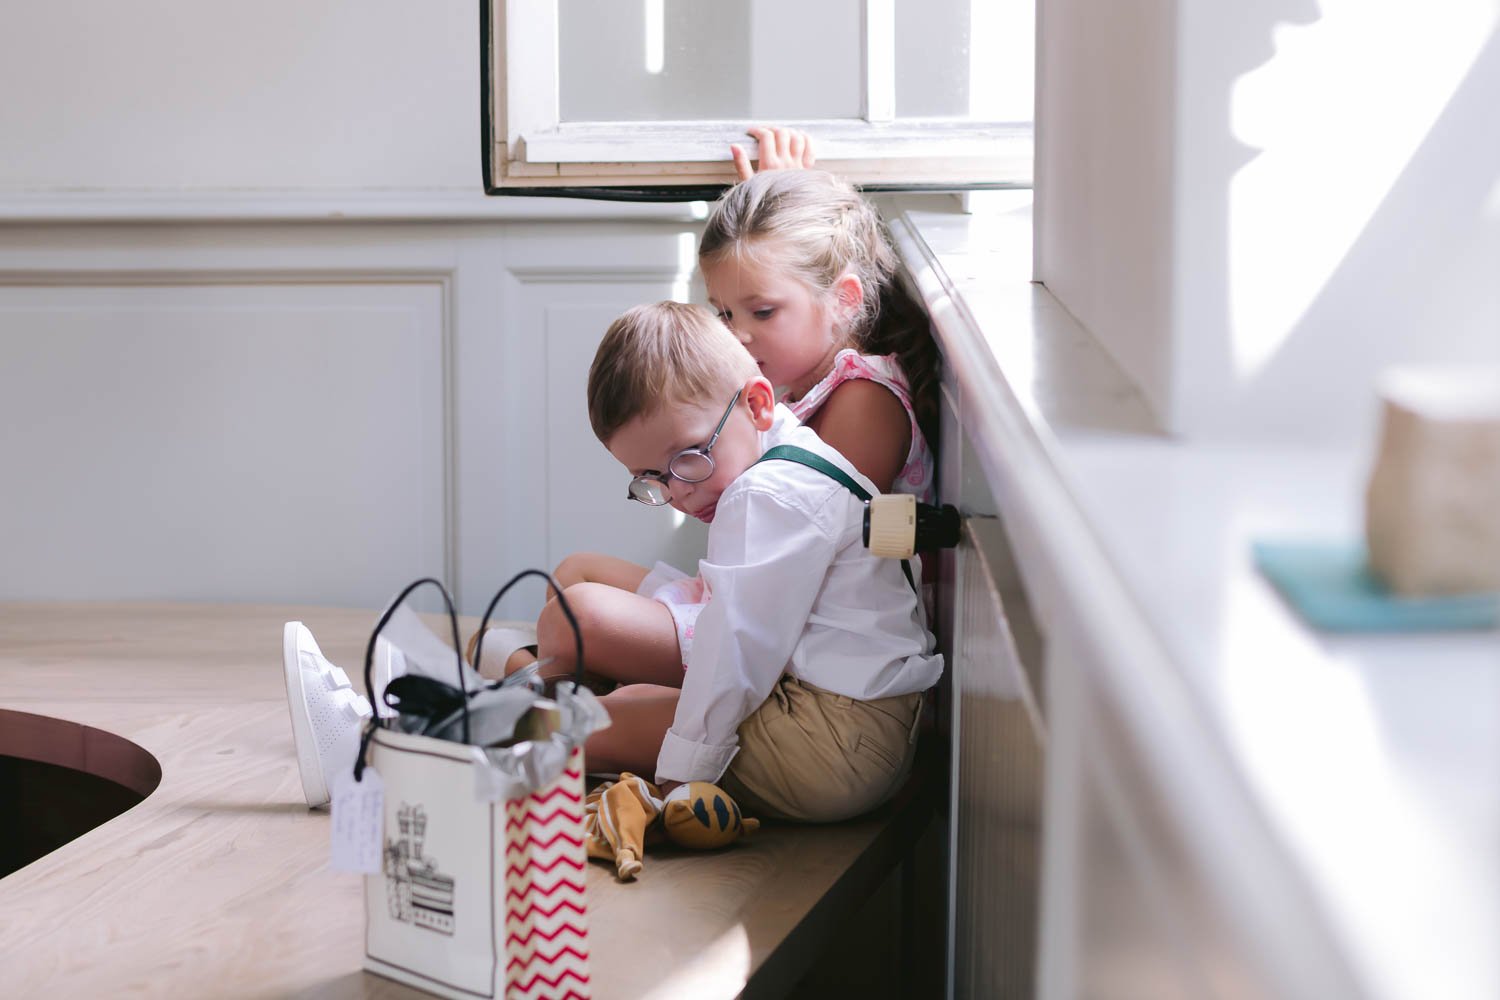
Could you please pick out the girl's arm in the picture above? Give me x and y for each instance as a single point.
(868, 425)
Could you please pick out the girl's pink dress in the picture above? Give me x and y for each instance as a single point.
(684, 595)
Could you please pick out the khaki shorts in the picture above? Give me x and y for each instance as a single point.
(811, 755)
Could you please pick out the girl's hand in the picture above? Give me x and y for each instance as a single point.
(781, 148)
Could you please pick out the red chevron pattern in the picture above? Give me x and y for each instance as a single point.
(566, 949)
(522, 890)
(545, 917)
(534, 816)
(562, 904)
(530, 865)
(560, 787)
(533, 842)
(519, 940)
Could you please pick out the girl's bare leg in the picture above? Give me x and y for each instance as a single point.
(640, 715)
(585, 567)
(626, 637)
(592, 567)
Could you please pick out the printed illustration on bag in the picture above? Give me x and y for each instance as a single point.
(416, 892)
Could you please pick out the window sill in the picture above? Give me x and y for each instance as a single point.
(1343, 793)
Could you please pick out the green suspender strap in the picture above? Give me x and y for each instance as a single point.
(791, 453)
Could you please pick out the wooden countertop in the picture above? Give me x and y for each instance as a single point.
(218, 884)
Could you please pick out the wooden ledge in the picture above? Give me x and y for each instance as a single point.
(219, 880)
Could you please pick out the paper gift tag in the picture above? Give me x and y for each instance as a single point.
(358, 822)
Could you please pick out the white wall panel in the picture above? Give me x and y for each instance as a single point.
(223, 439)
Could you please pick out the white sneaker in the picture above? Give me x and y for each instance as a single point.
(499, 643)
(328, 714)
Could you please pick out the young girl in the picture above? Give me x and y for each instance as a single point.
(797, 265)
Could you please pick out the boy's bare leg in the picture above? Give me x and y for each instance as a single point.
(585, 567)
(626, 637)
(639, 717)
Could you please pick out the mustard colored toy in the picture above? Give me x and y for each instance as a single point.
(616, 817)
(701, 815)
(622, 817)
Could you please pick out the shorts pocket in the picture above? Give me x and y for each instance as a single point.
(873, 750)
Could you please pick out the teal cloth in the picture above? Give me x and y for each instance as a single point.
(1330, 585)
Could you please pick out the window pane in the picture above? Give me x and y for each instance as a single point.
(965, 58)
(671, 60)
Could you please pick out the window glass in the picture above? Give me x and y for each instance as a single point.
(932, 58)
(674, 60)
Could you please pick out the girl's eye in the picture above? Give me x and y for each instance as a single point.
(764, 313)
(725, 315)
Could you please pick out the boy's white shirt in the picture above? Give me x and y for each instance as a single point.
(791, 590)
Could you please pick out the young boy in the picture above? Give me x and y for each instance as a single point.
(805, 671)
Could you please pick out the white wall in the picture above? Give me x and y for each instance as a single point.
(173, 95)
(1332, 206)
(1104, 177)
(257, 387)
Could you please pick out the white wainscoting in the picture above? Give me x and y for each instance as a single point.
(314, 413)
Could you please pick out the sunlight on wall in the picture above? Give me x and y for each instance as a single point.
(1334, 117)
(1492, 203)
(687, 260)
(1002, 62)
(656, 36)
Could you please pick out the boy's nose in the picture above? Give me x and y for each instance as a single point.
(741, 333)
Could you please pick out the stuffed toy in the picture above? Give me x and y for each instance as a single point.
(702, 816)
(622, 817)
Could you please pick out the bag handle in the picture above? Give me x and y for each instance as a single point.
(376, 722)
(562, 602)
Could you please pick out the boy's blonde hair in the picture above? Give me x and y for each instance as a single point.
(659, 354)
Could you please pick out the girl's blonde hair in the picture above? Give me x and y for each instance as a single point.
(659, 354)
(818, 228)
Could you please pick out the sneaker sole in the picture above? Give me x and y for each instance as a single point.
(314, 789)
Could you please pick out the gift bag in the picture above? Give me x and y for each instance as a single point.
(480, 888)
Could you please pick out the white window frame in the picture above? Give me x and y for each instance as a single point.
(528, 146)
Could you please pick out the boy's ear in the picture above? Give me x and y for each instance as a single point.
(761, 398)
(850, 293)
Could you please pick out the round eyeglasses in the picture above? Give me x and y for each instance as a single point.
(691, 465)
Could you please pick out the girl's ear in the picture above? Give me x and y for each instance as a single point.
(761, 398)
(849, 291)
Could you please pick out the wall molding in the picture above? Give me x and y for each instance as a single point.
(46, 206)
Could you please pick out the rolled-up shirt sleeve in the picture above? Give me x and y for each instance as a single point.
(765, 566)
